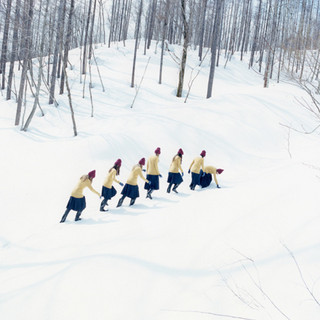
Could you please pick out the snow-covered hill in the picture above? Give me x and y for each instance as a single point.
(249, 250)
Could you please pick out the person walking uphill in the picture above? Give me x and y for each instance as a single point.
(206, 178)
(108, 190)
(77, 200)
(196, 165)
(174, 177)
(153, 173)
(131, 188)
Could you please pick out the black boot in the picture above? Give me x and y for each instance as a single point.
(149, 193)
(132, 202)
(175, 188)
(169, 187)
(103, 204)
(78, 216)
(64, 217)
(120, 201)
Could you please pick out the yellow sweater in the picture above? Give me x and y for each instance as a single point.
(152, 165)
(133, 177)
(110, 178)
(176, 165)
(212, 170)
(78, 190)
(197, 164)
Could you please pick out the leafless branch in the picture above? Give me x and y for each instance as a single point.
(190, 83)
(134, 99)
(265, 294)
(305, 132)
(212, 313)
(301, 275)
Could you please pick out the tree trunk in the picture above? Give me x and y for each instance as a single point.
(5, 43)
(56, 52)
(14, 50)
(36, 100)
(203, 20)
(164, 33)
(184, 49)
(67, 46)
(136, 42)
(84, 59)
(216, 33)
(256, 35)
(91, 31)
(25, 53)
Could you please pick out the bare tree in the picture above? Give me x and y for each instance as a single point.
(25, 53)
(256, 34)
(67, 46)
(86, 35)
(164, 18)
(5, 43)
(184, 49)
(216, 34)
(137, 31)
(40, 70)
(14, 50)
(61, 14)
(202, 27)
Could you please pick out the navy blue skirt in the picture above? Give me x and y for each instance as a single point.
(206, 180)
(195, 178)
(108, 193)
(76, 204)
(154, 179)
(174, 178)
(130, 191)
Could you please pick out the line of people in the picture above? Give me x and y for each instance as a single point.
(200, 175)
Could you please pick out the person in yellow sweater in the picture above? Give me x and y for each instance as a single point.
(174, 176)
(153, 173)
(131, 188)
(206, 177)
(108, 190)
(77, 200)
(196, 165)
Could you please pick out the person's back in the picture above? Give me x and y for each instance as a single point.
(110, 178)
(210, 169)
(134, 174)
(152, 165)
(197, 164)
(175, 164)
(83, 183)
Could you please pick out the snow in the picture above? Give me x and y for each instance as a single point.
(213, 253)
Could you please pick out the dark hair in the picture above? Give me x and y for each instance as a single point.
(117, 169)
(179, 155)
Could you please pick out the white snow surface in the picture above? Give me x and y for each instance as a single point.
(249, 250)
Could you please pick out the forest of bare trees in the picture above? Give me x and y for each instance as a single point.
(279, 37)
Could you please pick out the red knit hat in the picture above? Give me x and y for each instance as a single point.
(92, 174)
(157, 151)
(118, 163)
(203, 153)
(219, 171)
(180, 151)
(142, 161)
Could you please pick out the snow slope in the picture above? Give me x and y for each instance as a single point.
(249, 250)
